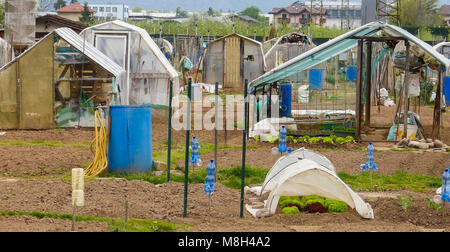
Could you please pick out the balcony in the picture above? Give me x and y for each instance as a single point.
(284, 20)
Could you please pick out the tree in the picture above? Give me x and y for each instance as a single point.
(418, 13)
(2, 15)
(137, 9)
(181, 13)
(73, 1)
(45, 5)
(252, 12)
(273, 33)
(59, 4)
(86, 15)
(213, 13)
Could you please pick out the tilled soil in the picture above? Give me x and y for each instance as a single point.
(42, 160)
(46, 191)
(105, 198)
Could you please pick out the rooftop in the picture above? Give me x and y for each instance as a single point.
(73, 8)
(298, 8)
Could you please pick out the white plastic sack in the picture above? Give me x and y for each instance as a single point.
(414, 85)
(389, 103)
(303, 94)
(384, 93)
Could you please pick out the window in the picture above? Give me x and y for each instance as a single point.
(108, 9)
(95, 8)
(114, 9)
(284, 16)
(357, 13)
(334, 13)
(305, 15)
(102, 9)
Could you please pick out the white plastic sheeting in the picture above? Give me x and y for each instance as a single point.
(269, 128)
(5, 49)
(314, 175)
(148, 70)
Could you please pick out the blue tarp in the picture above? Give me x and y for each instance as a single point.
(447, 89)
(316, 79)
(352, 73)
(286, 100)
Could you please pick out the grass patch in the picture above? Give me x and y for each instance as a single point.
(229, 177)
(40, 143)
(179, 154)
(404, 150)
(133, 225)
(398, 181)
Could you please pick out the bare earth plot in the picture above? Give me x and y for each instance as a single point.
(34, 166)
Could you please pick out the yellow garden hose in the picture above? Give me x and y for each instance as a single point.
(100, 162)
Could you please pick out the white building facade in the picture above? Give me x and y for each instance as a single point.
(111, 11)
(341, 14)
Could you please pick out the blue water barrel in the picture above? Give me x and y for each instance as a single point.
(130, 140)
(352, 73)
(447, 90)
(316, 79)
(286, 100)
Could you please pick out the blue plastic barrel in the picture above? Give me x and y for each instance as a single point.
(447, 90)
(286, 100)
(130, 139)
(316, 79)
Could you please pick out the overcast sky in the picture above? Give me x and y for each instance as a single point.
(196, 5)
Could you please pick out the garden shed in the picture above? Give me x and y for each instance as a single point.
(58, 82)
(232, 59)
(148, 70)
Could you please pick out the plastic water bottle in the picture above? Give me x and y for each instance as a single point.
(195, 155)
(282, 142)
(370, 161)
(210, 178)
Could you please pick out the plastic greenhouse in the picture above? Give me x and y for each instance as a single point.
(331, 100)
(304, 173)
(62, 80)
(148, 70)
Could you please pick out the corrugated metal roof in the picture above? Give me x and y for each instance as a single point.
(144, 34)
(90, 51)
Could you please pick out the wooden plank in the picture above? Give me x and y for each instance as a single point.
(368, 83)
(359, 91)
(437, 110)
(149, 76)
(406, 94)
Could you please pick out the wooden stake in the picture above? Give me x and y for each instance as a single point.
(74, 217)
(126, 211)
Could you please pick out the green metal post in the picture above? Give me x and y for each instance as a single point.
(244, 147)
(169, 141)
(216, 122)
(186, 164)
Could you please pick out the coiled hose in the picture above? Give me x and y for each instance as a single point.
(100, 162)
